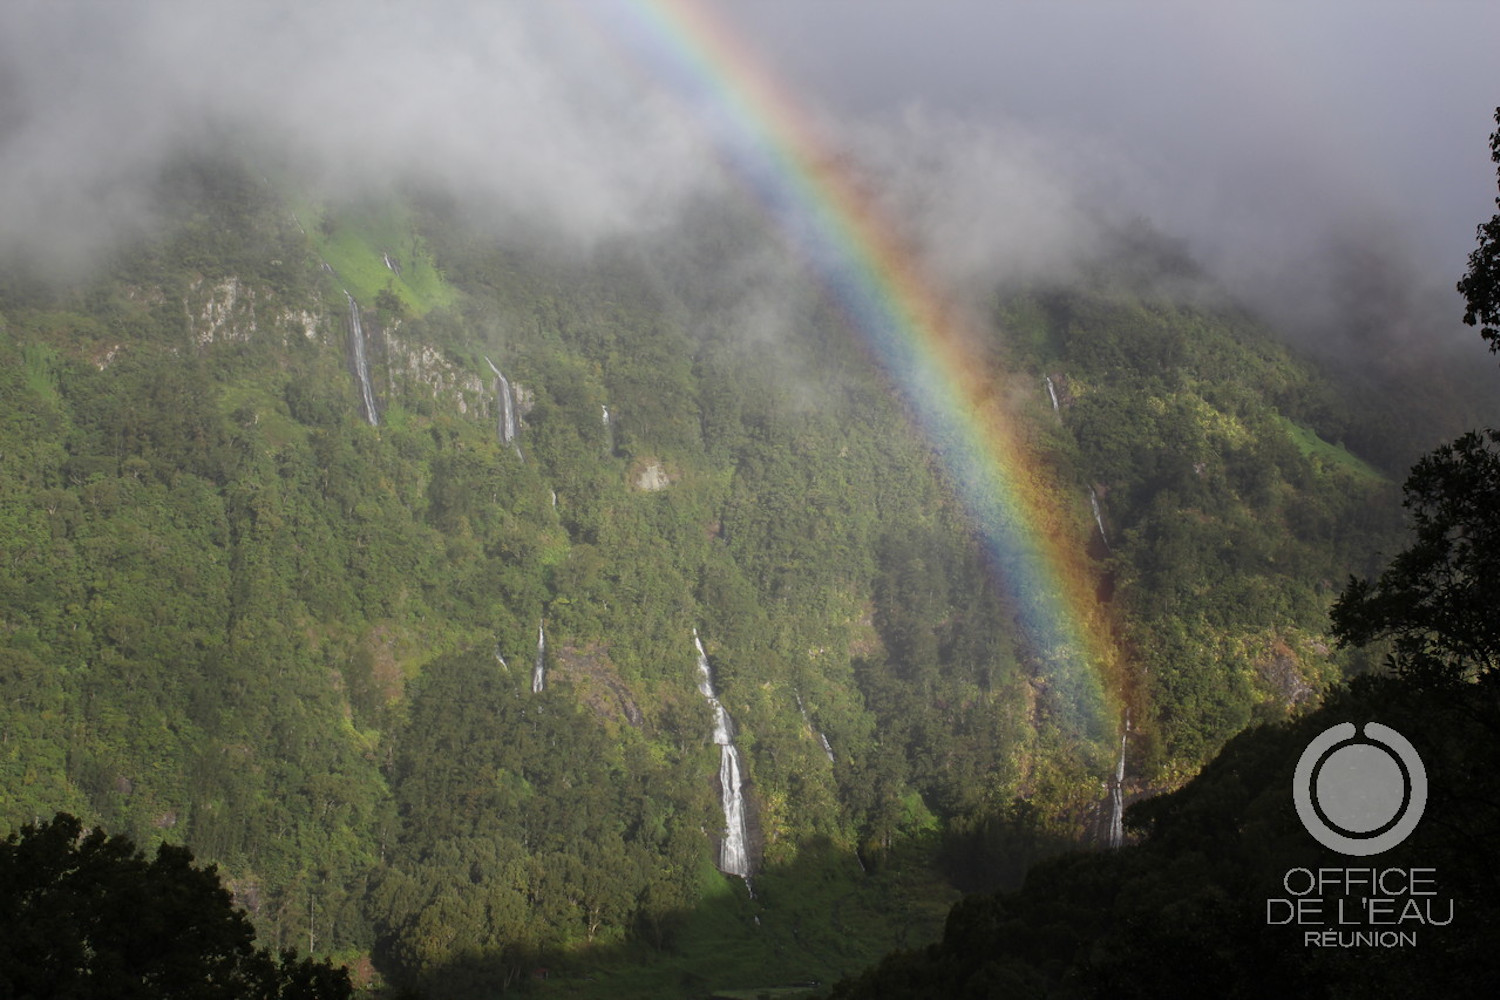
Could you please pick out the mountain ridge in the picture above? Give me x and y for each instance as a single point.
(229, 592)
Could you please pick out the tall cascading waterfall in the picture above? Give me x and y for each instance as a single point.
(538, 669)
(1117, 793)
(1052, 391)
(507, 416)
(734, 854)
(361, 367)
(1098, 517)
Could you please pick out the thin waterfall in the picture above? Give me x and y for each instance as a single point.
(734, 854)
(507, 415)
(361, 368)
(822, 740)
(1052, 391)
(1117, 793)
(1098, 517)
(538, 669)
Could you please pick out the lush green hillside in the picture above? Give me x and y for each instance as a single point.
(238, 616)
(1198, 908)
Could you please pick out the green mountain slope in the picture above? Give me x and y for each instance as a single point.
(238, 616)
(1199, 907)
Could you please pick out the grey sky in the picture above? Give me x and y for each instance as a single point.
(1265, 133)
(1251, 128)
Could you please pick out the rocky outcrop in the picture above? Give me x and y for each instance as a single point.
(424, 366)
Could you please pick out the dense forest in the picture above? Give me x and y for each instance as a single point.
(1219, 896)
(1194, 909)
(295, 576)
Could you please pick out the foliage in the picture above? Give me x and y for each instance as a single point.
(234, 612)
(1179, 914)
(1437, 598)
(1480, 287)
(83, 914)
(1184, 912)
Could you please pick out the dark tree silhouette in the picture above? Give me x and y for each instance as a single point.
(1481, 286)
(1440, 598)
(85, 915)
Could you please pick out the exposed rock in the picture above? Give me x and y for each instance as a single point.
(596, 681)
(1282, 672)
(653, 477)
(104, 360)
(226, 313)
(424, 364)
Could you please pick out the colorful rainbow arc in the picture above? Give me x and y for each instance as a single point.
(901, 316)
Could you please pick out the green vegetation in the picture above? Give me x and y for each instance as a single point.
(1184, 912)
(236, 615)
(376, 251)
(1332, 456)
(86, 915)
(1180, 914)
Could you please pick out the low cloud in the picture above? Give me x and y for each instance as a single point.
(1282, 144)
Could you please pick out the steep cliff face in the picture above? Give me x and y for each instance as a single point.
(212, 538)
(422, 368)
(231, 310)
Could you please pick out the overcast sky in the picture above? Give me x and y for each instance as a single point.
(1264, 133)
(1257, 130)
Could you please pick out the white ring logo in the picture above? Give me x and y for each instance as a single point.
(1357, 797)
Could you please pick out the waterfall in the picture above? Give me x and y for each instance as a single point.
(361, 369)
(507, 418)
(507, 409)
(538, 675)
(554, 499)
(500, 659)
(734, 856)
(1117, 793)
(606, 414)
(1098, 518)
(822, 740)
(1052, 391)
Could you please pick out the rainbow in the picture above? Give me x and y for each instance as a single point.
(900, 314)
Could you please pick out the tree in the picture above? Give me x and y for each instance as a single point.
(1440, 599)
(85, 915)
(1481, 286)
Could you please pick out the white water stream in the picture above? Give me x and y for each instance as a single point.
(507, 416)
(361, 367)
(538, 674)
(1098, 517)
(1116, 837)
(734, 853)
